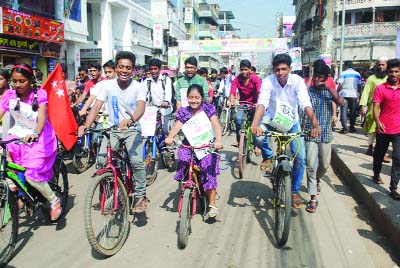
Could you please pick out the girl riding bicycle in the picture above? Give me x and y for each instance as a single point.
(27, 105)
(210, 163)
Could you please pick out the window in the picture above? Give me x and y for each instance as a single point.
(72, 9)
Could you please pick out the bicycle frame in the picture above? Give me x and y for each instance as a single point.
(112, 159)
(192, 181)
(157, 140)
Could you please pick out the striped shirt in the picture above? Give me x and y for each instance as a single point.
(350, 80)
(321, 101)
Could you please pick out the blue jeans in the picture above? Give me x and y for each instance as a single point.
(239, 121)
(296, 147)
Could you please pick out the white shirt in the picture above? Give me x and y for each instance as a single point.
(120, 101)
(95, 91)
(158, 94)
(225, 85)
(293, 94)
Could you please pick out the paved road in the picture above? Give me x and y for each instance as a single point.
(242, 237)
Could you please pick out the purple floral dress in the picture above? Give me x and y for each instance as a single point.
(38, 157)
(209, 165)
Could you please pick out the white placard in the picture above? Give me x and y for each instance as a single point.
(148, 121)
(198, 131)
(25, 119)
(188, 15)
(184, 100)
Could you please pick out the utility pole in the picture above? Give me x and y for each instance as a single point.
(342, 36)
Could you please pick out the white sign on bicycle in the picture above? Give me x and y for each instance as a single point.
(148, 121)
(184, 100)
(198, 131)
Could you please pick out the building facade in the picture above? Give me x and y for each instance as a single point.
(370, 29)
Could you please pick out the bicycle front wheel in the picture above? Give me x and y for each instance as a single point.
(8, 225)
(151, 165)
(83, 157)
(106, 223)
(186, 215)
(242, 154)
(283, 205)
(224, 121)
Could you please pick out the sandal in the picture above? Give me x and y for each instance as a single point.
(55, 210)
(377, 180)
(266, 165)
(257, 151)
(212, 211)
(312, 206)
(296, 200)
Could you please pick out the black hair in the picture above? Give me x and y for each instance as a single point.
(253, 69)
(348, 64)
(197, 87)
(97, 66)
(245, 64)
(202, 71)
(122, 55)
(27, 71)
(64, 67)
(214, 71)
(191, 60)
(393, 63)
(283, 58)
(146, 69)
(223, 70)
(81, 68)
(322, 69)
(5, 73)
(110, 64)
(318, 62)
(155, 62)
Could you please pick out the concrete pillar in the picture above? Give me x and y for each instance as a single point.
(107, 41)
(59, 7)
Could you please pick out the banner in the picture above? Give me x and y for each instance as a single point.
(295, 54)
(31, 26)
(233, 45)
(158, 37)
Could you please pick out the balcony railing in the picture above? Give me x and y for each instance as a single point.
(369, 29)
(358, 4)
(208, 31)
(207, 11)
(311, 36)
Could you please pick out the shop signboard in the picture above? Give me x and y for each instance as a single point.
(158, 37)
(233, 45)
(90, 53)
(51, 50)
(30, 26)
(18, 44)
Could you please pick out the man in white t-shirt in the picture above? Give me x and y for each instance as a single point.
(126, 101)
(159, 92)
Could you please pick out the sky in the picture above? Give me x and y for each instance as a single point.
(256, 18)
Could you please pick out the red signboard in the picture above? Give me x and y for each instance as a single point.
(25, 25)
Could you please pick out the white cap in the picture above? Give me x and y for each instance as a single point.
(385, 58)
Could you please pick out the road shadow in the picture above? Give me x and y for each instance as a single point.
(257, 195)
(172, 199)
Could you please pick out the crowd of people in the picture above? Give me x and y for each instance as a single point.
(282, 101)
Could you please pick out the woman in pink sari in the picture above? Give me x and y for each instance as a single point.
(27, 105)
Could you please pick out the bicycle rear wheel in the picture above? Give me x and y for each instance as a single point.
(242, 154)
(186, 215)
(283, 205)
(151, 164)
(8, 224)
(106, 228)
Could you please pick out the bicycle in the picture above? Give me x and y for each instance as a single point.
(191, 191)
(153, 149)
(246, 141)
(281, 178)
(227, 118)
(86, 149)
(13, 174)
(108, 200)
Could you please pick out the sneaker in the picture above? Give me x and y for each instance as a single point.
(370, 150)
(344, 131)
(140, 205)
(395, 195)
(352, 130)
